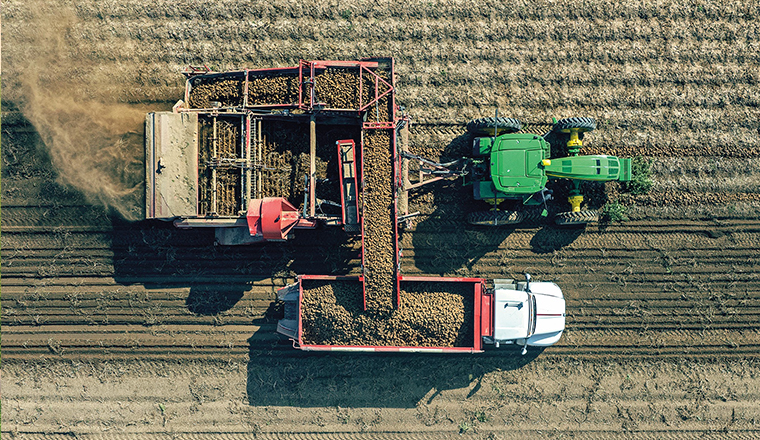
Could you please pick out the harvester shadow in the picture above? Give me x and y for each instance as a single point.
(363, 380)
(159, 256)
(453, 248)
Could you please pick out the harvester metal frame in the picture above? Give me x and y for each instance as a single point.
(250, 160)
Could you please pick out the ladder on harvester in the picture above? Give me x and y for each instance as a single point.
(348, 185)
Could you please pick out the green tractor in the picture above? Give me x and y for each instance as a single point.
(512, 166)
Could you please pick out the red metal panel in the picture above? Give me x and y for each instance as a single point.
(486, 315)
(477, 328)
(377, 97)
(376, 349)
(272, 217)
(355, 193)
(444, 279)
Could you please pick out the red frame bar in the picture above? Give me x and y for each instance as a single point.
(356, 178)
(363, 66)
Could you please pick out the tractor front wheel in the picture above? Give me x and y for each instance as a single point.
(495, 218)
(577, 218)
(580, 124)
(486, 126)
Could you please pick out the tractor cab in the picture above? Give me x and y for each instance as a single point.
(512, 167)
(509, 165)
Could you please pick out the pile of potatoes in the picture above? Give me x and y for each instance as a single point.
(337, 88)
(437, 314)
(227, 91)
(379, 219)
(273, 89)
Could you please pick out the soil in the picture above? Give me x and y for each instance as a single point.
(114, 329)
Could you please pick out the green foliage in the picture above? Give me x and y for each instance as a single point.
(613, 212)
(346, 14)
(464, 427)
(641, 176)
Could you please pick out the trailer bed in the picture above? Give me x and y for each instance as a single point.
(325, 313)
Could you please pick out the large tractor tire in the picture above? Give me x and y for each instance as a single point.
(485, 126)
(578, 218)
(582, 124)
(495, 218)
(532, 217)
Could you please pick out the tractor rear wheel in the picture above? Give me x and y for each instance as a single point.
(577, 218)
(495, 218)
(581, 124)
(485, 126)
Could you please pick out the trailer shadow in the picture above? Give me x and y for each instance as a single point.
(287, 377)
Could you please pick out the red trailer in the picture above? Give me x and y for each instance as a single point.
(448, 315)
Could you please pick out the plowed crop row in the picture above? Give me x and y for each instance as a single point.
(661, 79)
(689, 277)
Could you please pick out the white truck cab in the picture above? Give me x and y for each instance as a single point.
(527, 313)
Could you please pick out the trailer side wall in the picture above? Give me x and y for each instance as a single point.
(435, 315)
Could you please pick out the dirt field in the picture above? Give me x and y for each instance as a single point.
(113, 329)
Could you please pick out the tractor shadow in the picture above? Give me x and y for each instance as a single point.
(444, 242)
(288, 377)
(553, 238)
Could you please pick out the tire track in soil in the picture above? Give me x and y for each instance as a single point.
(707, 434)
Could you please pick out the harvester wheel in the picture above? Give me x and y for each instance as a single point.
(577, 218)
(582, 124)
(495, 218)
(485, 126)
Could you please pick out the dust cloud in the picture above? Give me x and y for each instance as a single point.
(95, 146)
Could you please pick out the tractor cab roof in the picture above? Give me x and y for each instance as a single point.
(516, 163)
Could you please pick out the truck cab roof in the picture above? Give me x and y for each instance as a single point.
(513, 311)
